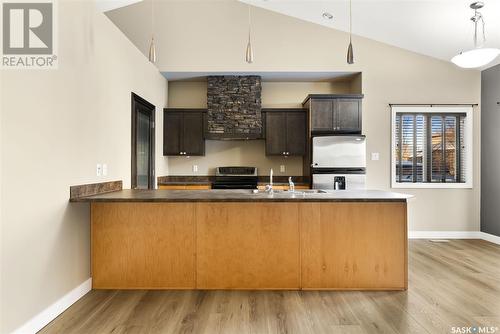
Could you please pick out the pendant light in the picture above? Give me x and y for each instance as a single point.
(249, 51)
(350, 51)
(478, 56)
(152, 45)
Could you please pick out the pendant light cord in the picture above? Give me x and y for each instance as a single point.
(152, 20)
(249, 23)
(350, 20)
(476, 18)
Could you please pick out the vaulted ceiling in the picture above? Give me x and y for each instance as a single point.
(436, 28)
(107, 5)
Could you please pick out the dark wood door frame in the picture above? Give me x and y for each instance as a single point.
(137, 100)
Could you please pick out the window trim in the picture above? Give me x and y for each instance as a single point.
(468, 152)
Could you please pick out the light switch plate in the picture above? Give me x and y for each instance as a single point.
(282, 168)
(375, 156)
(104, 169)
(195, 168)
(98, 170)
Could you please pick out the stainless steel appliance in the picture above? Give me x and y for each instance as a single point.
(339, 162)
(235, 178)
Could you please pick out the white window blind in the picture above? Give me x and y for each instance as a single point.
(431, 146)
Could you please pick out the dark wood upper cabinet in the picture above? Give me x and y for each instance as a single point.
(348, 115)
(335, 114)
(183, 132)
(322, 114)
(172, 132)
(285, 131)
(296, 136)
(275, 132)
(193, 141)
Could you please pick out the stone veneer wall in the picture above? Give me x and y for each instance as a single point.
(234, 107)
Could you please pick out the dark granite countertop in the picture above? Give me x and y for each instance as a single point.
(185, 180)
(176, 180)
(184, 183)
(244, 196)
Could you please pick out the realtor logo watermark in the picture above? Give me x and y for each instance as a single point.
(474, 330)
(29, 34)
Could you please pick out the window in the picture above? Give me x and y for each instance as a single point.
(431, 147)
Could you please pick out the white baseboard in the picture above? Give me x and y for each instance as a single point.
(490, 237)
(50, 313)
(444, 235)
(453, 235)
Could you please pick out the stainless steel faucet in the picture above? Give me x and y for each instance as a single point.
(291, 185)
(269, 187)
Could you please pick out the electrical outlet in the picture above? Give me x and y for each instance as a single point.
(104, 169)
(375, 156)
(195, 168)
(282, 168)
(98, 170)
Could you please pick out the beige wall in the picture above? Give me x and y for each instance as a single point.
(56, 126)
(1, 198)
(234, 153)
(204, 36)
(192, 94)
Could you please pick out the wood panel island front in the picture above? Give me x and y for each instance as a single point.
(235, 239)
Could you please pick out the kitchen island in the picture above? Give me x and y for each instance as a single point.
(238, 239)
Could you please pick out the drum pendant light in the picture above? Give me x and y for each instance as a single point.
(479, 56)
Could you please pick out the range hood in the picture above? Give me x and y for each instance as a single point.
(234, 107)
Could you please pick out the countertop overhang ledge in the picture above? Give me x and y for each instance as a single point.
(243, 196)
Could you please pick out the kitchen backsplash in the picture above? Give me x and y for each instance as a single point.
(234, 153)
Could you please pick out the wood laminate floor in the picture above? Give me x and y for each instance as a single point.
(454, 284)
